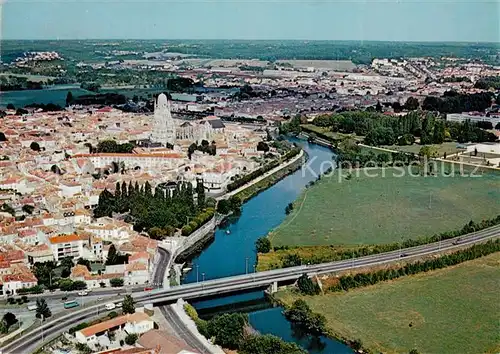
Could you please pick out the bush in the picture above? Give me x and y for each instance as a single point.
(112, 314)
(186, 230)
(267, 344)
(263, 245)
(116, 282)
(193, 225)
(307, 286)
(347, 282)
(131, 338)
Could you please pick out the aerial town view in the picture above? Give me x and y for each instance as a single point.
(249, 177)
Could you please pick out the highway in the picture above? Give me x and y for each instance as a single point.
(255, 281)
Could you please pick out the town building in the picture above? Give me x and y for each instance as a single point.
(136, 323)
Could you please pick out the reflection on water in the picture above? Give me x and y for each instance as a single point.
(234, 252)
(272, 321)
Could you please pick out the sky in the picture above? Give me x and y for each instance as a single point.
(386, 20)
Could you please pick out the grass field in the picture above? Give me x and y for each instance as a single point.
(449, 148)
(453, 310)
(374, 210)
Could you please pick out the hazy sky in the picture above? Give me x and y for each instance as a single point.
(398, 20)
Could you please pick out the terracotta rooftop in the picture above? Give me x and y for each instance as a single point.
(115, 322)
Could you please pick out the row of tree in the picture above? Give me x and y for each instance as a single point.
(453, 102)
(230, 331)
(161, 208)
(486, 83)
(111, 146)
(379, 129)
(351, 154)
(291, 258)
(347, 282)
(204, 147)
(260, 171)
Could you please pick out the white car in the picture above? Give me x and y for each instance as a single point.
(83, 293)
(110, 306)
(119, 304)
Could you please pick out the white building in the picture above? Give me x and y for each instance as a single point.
(67, 246)
(462, 117)
(137, 323)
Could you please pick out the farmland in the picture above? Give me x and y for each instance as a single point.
(452, 310)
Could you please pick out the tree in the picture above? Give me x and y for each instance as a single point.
(262, 146)
(128, 304)
(428, 152)
(83, 348)
(191, 149)
(116, 282)
(3, 137)
(228, 329)
(292, 260)
(8, 209)
(413, 351)
(11, 106)
(66, 265)
(131, 338)
(84, 262)
(298, 312)
(411, 104)
(301, 315)
(9, 319)
(28, 209)
(267, 344)
(263, 245)
(35, 146)
(223, 207)
(69, 98)
(112, 255)
(497, 127)
(42, 309)
(55, 169)
(306, 285)
(200, 193)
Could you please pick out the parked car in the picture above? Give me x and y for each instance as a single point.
(110, 306)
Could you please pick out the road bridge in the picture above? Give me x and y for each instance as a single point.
(251, 281)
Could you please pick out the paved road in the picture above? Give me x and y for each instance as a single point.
(261, 280)
(161, 266)
(180, 329)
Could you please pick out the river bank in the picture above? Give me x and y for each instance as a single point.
(233, 252)
(460, 317)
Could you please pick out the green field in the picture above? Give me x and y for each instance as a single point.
(371, 210)
(448, 147)
(453, 310)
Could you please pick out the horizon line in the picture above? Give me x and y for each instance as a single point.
(253, 40)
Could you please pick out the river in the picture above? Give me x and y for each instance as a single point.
(233, 252)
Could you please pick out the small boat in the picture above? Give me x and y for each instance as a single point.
(228, 232)
(185, 270)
